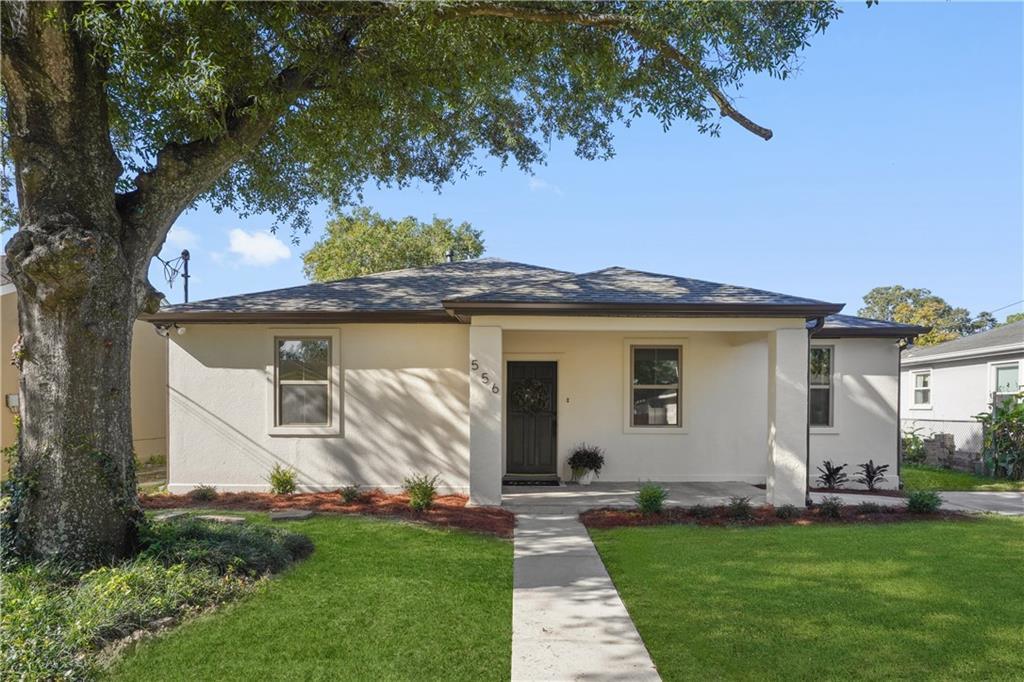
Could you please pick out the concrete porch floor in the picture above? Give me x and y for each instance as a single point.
(577, 498)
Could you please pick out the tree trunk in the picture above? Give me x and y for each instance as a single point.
(76, 440)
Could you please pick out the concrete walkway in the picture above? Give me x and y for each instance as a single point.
(568, 622)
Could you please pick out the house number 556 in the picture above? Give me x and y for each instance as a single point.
(485, 378)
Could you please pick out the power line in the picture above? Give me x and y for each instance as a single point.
(1008, 305)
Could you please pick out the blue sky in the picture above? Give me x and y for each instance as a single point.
(897, 158)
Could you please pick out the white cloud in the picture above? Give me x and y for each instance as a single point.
(538, 185)
(257, 248)
(182, 238)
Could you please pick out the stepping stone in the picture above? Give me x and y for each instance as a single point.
(220, 518)
(170, 515)
(290, 514)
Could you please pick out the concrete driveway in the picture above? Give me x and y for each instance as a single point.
(1008, 504)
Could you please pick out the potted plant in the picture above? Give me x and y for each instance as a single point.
(585, 462)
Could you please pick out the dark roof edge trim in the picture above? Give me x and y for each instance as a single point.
(864, 332)
(297, 317)
(466, 308)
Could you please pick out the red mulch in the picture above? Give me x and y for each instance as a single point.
(762, 516)
(449, 511)
(858, 491)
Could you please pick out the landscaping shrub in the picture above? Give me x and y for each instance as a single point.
(203, 493)
(923, 502)
(913, 446)
(246, 549)
(584, 458)
(421, 491)
(739, 508)
(871, 474)
(831, 507)
(1003, 439)
(282, 480)
(787, 511)
(351, 493)
(869, 508)
(650, 499)
(832, 476)
(700, 511)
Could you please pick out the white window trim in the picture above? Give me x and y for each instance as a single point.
(992, 367)
(627, 386)
(832, 428)
(335, 390)
(913, 389)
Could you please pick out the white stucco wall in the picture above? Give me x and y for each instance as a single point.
(404, 408)
(724, 381)
(865, 408)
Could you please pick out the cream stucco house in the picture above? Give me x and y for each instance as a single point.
(488, 370)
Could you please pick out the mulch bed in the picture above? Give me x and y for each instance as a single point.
(449, 511)
(761, 516)
(858, 491)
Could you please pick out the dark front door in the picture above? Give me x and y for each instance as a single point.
(531, 419)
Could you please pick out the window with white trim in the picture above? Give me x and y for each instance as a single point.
(820, 398)
(302, 376)
(922, 389)
(655, 386)
(1007, 382)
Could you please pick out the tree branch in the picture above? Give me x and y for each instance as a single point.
(624, 24)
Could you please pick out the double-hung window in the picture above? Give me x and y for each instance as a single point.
(655, 386)
(922, 388)
(820, 399)
(1007, 382)
(302, 376)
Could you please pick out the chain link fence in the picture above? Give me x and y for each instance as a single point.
(950, 443)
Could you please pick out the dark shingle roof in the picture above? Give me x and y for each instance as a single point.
(398, 294)
(838, 326)
(1006, 335)
(632, 288)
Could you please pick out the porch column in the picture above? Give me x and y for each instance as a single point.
(485, 416)
(787, 417)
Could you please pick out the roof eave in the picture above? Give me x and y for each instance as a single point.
(868, 332)
(463, 309)
(296, 317)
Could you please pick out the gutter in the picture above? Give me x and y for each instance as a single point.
(818, 324)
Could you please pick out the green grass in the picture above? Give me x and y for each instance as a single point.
(920, 600)
(920, 477)
(376, 600)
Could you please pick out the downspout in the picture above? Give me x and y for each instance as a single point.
(819, 322)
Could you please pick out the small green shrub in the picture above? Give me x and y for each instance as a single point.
(913, 446)
(1003, 437)
(739, 509)
(650, 499)
(247, 549)
(282, 480)
(421, 491)
(351, 493)
(871, 474)
(585, 458)
(831, 507)
(203, 493)
(923, 502)
(869, 508)
(787, 511)
(832, 475)
(702, 511)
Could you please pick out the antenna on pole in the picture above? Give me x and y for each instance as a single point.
(176, 266)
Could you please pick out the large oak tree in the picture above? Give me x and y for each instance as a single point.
(119, 116)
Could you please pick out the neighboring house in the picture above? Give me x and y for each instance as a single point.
(488, 370)
(148, 379)
(946, 385)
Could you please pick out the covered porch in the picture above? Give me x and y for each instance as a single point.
(707, 406)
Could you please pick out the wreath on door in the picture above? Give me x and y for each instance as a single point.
(530, 396)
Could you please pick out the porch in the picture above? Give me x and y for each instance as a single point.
(709, 406)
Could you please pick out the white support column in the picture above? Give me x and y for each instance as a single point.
(485, 416)
(787, 417)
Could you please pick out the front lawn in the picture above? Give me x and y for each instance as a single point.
(920, 477)
(896, 601)
(376, 600)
